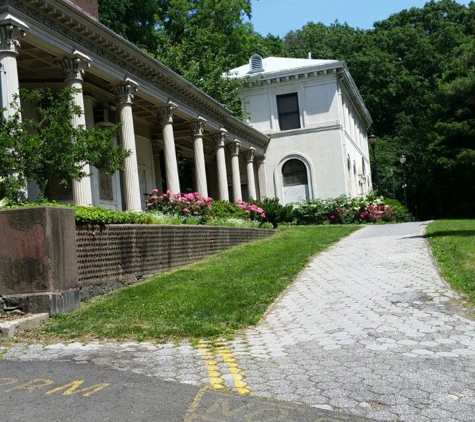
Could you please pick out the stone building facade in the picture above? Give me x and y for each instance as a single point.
(317, 122)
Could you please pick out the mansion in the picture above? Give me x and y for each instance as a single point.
(305, 136)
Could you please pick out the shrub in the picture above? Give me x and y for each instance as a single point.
(253, 211)
(275, 212)
(225, 209)
(343, 210)
(186, 205)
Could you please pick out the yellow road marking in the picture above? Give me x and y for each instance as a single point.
(190, 413)
(212, 366)
(235, 370)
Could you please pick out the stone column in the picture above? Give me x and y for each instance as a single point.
(262, 177)
(197, 128)
(11, 29)
(221, 165)
(158, 169)
(251, 181)
(236, 175)
(73, 69)
(124, 96)
(165, 115)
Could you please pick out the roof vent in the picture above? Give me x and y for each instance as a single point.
(255, 64)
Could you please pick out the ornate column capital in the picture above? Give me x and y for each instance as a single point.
(125, 91)
(197, 127)
(165, 114)
(220, 137)
(249, 155)
(73, 66)
(11, 30)
(234, 148)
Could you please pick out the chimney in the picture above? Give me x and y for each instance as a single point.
(89, 7)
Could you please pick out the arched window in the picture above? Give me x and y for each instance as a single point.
(294, 173)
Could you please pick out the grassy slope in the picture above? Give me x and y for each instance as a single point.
(214, 297)
(453, 245)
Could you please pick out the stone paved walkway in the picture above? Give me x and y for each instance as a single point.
(368, 328)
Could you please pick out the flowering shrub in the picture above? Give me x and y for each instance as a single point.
(343, 210)
(253, 211)
(186, 205)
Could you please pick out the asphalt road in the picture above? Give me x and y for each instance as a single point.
(59, 391)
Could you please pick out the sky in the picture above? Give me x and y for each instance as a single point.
(278, 17)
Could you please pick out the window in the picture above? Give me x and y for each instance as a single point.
(288, 109)
(294, 173)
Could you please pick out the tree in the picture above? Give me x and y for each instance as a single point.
(50, 148)
(198, 39)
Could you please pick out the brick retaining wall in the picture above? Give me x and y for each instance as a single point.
(121, 254)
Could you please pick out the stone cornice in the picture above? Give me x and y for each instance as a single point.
(69, 21)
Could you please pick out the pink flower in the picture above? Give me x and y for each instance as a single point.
(186, 210)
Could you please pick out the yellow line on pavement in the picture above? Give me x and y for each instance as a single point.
(235, 370)
(190, 413)
(212, 366)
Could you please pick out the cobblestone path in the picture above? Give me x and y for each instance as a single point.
(369, 328)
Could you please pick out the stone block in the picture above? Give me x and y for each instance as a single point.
(37, 250)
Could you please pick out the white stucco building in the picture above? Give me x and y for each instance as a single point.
(317, 122)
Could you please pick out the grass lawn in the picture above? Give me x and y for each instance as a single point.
(453, 245)
(211, 298)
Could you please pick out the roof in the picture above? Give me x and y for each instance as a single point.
(280, 64)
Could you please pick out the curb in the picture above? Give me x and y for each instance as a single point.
(8, 329)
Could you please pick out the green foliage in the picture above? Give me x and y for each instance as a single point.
(225, 209)
(94, 215)
(453, 245)
(415, 73)
(209, 299)
(343, 210)
(49, 148)
(200, 40)
(275, 212)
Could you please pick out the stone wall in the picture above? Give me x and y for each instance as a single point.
(38, 261)
(48, 264)
(121, 254)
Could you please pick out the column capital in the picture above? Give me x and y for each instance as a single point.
(234, 148)
(73, 65)
(197, 126)
(165, 114)
(261, 159)
(220, 137)
(249, 155)
(11, 30)
(125, 91)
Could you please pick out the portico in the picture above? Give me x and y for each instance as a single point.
(171, 127)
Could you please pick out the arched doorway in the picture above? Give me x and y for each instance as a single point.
(295, 181)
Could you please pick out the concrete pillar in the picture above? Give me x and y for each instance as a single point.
(197, 128)
(236, 174)
(73, 69)
(124, 96)
(221, 165)
(11, 30)
(158, 169)
(165, 115)
(262, 177)
(251, 181)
